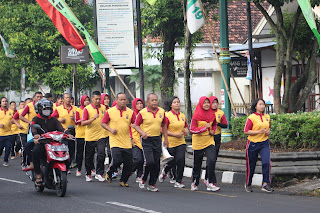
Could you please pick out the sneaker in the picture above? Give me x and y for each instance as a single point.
(100, 178)
(108, 178)
(141, 184)
(69, 172)
(179, 185)
(138, 179)
(162, 176)
(114, 175)
(194, 187)
(88, 178)
(5, 164)
(123, 184)
(18, 154)
(266, 187)
(172, 180)
(205, 181)
(13, 157)
(153, 188)
(78, 173)
(248, 188)
(212, 187)
(93, 173)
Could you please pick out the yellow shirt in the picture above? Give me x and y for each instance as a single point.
(69, 115)
(176, 123)
(151, 122)
(220, 117)
(14, 128)
(23, 124)
(256, 122)
(136, 136)
(120, 120)
(80, 130)
(5, 118)
(201, 140)
(94, 131)
(29, 112)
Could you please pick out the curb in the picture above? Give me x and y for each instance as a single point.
(228, 177)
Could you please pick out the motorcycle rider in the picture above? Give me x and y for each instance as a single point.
(48, 124)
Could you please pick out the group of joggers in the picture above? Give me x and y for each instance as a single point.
(134, 137)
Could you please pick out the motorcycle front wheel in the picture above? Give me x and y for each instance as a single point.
(61, 186)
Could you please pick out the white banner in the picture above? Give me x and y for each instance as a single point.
(116, 32)
(7, 50)
(195, 18)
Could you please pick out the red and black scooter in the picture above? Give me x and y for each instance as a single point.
(54, 169)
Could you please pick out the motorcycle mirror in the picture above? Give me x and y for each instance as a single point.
(71, 127)
(36, 126)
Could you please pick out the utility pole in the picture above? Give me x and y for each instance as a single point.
(225, 57)
(141, 75)
(250, 49)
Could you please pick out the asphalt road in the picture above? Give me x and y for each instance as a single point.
(18, 195)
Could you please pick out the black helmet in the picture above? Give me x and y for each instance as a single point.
(44, 107)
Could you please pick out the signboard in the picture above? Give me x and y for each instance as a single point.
(239, 67)
(70, 55)
(222, 100)
(116, 32)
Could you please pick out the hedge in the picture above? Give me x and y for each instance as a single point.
(288, 131)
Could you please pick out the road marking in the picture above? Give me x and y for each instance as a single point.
(132, 207)
(210, 193)
(13, 181)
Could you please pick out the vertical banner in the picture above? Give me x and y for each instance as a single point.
(195, 18)
(116, 32)
(222, 99)
(249, 73)
(23, 83)
(9, 53)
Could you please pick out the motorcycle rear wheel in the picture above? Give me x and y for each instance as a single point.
(61, 186)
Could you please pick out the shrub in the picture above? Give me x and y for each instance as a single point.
(288, 131)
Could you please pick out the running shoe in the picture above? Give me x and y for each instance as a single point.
(141, 184)
(114, 175)
(153, 188)
(212, 187)
(248, 188)
(172, 180)
(88, 178)
(13, 157)
(93, 173)
(5, 164)
(179, 185)
(108, 178)
(123, 184)
(266, 187)
(162, 176)
(205, 181)
(194, 187)
(78, 173)
(100, 178)
(138, 179)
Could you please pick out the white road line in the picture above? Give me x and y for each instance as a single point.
(132, 207)
(13, 181)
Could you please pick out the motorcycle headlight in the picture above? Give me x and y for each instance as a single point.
(56, 137)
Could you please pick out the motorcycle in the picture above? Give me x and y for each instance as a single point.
(54, 169)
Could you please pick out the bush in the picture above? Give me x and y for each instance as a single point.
(288, 131)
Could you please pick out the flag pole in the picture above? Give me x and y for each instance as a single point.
(220, 67)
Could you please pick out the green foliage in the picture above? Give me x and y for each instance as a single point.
(36, 42)
(152, 77)
(288, 131)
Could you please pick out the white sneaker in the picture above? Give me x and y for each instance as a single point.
(162, 176)
(205, 181)
(78, 173)
(93, 173)
(100, 178)
(179, 185)
(5, 164)
(141, 184)
(172, 180)
(212, 187)
(138, 180)
(88, 178)
(194, 187)
(153, 188)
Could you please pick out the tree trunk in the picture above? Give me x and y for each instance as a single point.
(168, 73)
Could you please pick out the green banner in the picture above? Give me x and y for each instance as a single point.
(152, 2)
(307, 12)
(63, 8)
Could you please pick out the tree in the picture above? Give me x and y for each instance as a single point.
(36, 42)
(286, 33)
(152, 77)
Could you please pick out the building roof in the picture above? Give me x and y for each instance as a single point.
(237, 21)
(242, 47)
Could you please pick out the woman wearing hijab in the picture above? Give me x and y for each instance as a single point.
(138, 159)
(203, 125)
(105, 100)
(177, 129)
(80, 133)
